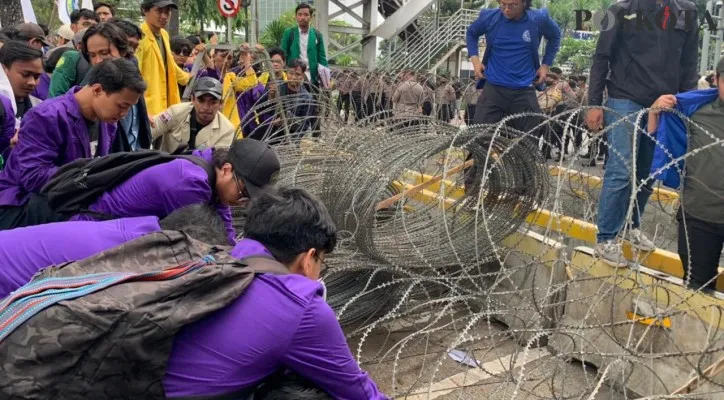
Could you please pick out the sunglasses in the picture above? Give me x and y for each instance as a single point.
(184, 52)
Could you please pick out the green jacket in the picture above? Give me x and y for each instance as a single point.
(70, 71)
(315, 50)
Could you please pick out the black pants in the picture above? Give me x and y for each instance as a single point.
(705, 241)
(427, 108)
(470, 114)
(444, 112)
(496, 103)
(343, 101)
(358, 106)
(36, 211)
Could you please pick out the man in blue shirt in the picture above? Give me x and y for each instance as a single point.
(511, 66)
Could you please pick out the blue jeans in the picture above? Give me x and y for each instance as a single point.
(616, 190)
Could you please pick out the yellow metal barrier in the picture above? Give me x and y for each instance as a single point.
(659, 259)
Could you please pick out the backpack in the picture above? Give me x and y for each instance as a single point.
(78, 184)
(103, 327)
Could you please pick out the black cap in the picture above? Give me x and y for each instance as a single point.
(255, 162)
(208, 85)
(159, 3)
(30, 30)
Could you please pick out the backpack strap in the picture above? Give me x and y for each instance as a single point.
(38, 295)
(265, 265)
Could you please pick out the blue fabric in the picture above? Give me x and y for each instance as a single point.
(512, 57)
(671, 135)
(130, 124)
(616, 189)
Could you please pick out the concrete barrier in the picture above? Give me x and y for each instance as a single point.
(640, 328)
(530, 285)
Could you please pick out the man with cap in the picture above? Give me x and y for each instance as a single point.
(155, 58)
(198, 124)
(31, 33)
(65, 35)
(239, 173)
(701, 212)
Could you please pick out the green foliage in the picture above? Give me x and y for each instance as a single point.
(450, 7)
(272, 35)
(196, 15)
(578, 52)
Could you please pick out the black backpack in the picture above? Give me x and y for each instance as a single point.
(78, 184)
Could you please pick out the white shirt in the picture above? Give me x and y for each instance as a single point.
(303, 46)
(7, 90)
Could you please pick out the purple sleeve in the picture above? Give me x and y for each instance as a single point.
(208, 72)
(37, 150)
(320, 353)
(7, 130)
(224, 212)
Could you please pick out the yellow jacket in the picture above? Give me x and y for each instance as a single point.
(162, 91)
(240, 84)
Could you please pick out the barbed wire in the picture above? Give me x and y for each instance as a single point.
(462, 262)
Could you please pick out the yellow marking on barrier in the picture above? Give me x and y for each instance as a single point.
(655, 321)
(424, 196)
(701, 306)
(661, 195)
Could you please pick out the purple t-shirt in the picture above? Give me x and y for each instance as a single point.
(159, 190)
(280, 321)
(25, 251)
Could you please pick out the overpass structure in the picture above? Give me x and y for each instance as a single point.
(427, 41)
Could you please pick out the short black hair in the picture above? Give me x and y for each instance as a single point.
(53, 58)
(101, 4)
(44, 27)
(15, 50)
(111, 32)
(194, 39)
(76, 15)
(209, 35)
(556, 70)
(200, 221)
(289, 221)
(116, 74)
(298, 63)
(276, 50)
(128, 27)
(179, 43)
(302, 6)
(582, 78)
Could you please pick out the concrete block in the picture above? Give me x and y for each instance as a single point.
(603, 324)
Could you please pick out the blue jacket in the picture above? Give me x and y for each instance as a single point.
(539, 23)
(671, 135)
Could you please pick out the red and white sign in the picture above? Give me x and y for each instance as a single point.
(228, 8)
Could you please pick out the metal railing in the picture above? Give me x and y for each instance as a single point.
(431, 42)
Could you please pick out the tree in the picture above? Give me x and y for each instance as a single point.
(10, 13)
(197, 13)
(272, 35)
(578, 52)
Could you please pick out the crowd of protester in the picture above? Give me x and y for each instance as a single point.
(83, 112)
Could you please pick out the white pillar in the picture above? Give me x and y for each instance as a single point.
(369, 49)
(321, 14)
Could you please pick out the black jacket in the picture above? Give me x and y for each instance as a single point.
(646, 61)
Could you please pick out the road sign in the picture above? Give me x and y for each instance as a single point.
(228, 8)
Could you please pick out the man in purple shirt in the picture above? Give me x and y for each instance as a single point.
(7, 126)
(80, 124)
(25, 251)
(281, 321)
(241, 172)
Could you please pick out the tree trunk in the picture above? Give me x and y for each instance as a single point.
(173, 23)
(11, 13)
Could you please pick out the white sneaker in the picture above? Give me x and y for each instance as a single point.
(611, 253)
(639, 240)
